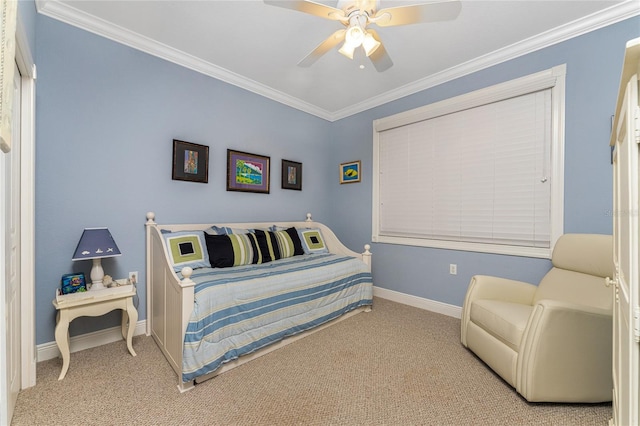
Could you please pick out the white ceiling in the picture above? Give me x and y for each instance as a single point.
(256, 46)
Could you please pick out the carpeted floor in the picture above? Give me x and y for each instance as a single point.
(397, 365)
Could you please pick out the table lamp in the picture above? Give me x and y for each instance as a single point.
(95, 244)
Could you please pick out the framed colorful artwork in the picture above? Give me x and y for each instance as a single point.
(73, 283)
(190, 162)
(291, 175)
(350, 172)
(247, 172)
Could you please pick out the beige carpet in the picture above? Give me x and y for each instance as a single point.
(397, 365)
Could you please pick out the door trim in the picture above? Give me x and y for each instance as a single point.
(27, 68)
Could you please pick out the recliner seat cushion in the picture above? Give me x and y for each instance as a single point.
(505, 321)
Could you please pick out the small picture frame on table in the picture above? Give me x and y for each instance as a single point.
(291, 175)
(247, 172)
(73, 283)
(190, 162)
(350, 172)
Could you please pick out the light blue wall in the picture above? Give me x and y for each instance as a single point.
(594, 63)
(106, 116)
(27, 15)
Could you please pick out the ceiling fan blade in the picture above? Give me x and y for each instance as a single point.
(311, 8)
(333, 40)
(380, 58)
(420, 13)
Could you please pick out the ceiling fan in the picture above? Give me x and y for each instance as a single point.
(356, 15)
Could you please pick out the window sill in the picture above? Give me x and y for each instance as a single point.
(510, 250)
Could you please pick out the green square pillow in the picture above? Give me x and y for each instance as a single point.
(186, 248)
(312, 241)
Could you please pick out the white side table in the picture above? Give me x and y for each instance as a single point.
(94, 303)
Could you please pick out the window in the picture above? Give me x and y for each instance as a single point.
(479, 172)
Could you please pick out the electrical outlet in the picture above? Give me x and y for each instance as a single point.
(133, 277)
(453, 269)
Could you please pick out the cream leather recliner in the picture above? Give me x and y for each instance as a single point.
(551, 342)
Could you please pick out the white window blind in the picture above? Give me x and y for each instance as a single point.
(480, 175)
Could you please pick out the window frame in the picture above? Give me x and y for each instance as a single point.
(552, 78)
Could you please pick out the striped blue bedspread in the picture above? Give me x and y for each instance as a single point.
(241, 309)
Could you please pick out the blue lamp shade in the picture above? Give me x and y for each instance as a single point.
(96, 243)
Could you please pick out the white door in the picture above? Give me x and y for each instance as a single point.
(10, 342)
(626, 259)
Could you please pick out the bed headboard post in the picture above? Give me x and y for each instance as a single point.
(366, 256)
(150, 218)
(148, 225)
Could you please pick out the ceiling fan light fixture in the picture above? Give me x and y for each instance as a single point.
(370, 44)
(347, 50)
(355, 36)
(357, 15)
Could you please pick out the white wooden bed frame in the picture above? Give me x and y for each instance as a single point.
(170, 300)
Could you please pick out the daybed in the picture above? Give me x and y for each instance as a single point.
(221, 295)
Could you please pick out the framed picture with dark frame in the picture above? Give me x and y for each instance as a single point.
(291, 175)
(73, 283)
(190, 162)
(350, 172)
(247, 172)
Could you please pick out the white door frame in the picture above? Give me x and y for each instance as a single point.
(27, 68)
(26, 331)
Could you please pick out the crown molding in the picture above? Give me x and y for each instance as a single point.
(65, 13)
(606, 17)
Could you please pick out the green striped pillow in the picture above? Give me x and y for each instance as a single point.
(245, 249)
(279, 244)
(284, 243)
(266, 245)
(288, 243)
(253, 248)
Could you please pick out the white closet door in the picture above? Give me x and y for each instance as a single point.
(626, 250)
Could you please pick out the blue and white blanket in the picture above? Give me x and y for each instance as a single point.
(242, 309)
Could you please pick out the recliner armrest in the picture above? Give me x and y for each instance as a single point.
(488, 287)
(565, 354)
(494, 288)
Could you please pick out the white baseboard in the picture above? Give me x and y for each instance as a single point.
(50, 350)
(418, 302)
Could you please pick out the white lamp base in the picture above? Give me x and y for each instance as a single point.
(97, 274)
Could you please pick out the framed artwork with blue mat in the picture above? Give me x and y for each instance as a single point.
(350, 172)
